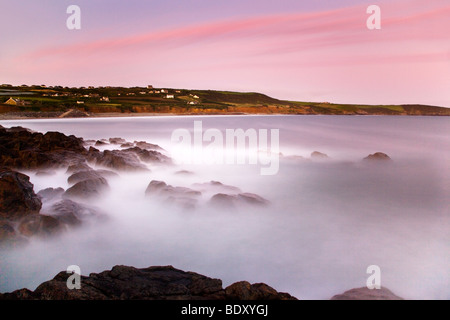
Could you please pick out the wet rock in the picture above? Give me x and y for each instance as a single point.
(100, 143)
(319, 155)
(89, 175)
(78, 167)
(377, 156)
(180, 196)
(39, 225)
(87, 189)
(162, 189)
(243, 290)
(127, 145)
(152, 283)
(72, 213)
(17, 197)
(149, 156)
(147, 146)
(116, 159)
(21, 148)
(50, 193)
(366, 294)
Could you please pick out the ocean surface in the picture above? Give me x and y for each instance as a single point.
(328, 219)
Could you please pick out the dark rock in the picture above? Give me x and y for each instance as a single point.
(78, 167)
(127, 145)
(87, 189)
(153, 283)
(180, 196)
(377, 156)
(50, 193)
(116, 159)
(117, 141)
(21, 148)
(17, 198)
(149, 156)
(148, 146)
(72, 213)
(89, 175)
(259, 291)
(100, 143)
(365, 293)
(39, 225)
(162, 189)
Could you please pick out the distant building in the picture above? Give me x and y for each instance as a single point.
(192, 102)
(106, 99)
(149, 86)
(177, 91)
(15, 102)
(80, 102)
(143, 92)
(164, 91)
(170, 96)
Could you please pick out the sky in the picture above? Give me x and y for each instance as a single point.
(300, 50)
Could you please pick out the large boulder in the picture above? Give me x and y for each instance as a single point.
(183, 197)
(50, 193)
(243, 290)
(88, 189)
(365, 293)
(21, 148)
(152, 283)
(89, 175)
(17, 197)
(72, 213)
(116, 159)
(39, 225)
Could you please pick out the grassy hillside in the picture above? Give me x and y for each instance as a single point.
(38, 101)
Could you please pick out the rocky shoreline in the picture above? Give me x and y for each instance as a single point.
(89, 170)
(166, 283)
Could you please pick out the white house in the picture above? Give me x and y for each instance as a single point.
(106, 99)
(80, 102)
(170, 96)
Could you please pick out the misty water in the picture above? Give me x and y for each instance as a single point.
(327, 221)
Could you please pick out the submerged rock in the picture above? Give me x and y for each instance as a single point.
(232, 201)
(50, 193)
(152, 283)
(319, 155)
(116, 159)
(117, 141)
(88, 189)
(72, 213)
(89, 175)
(181, 196)
(39, 225)
(377, 156)
(216, 186)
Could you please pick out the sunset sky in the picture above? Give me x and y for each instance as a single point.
(306, 50)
